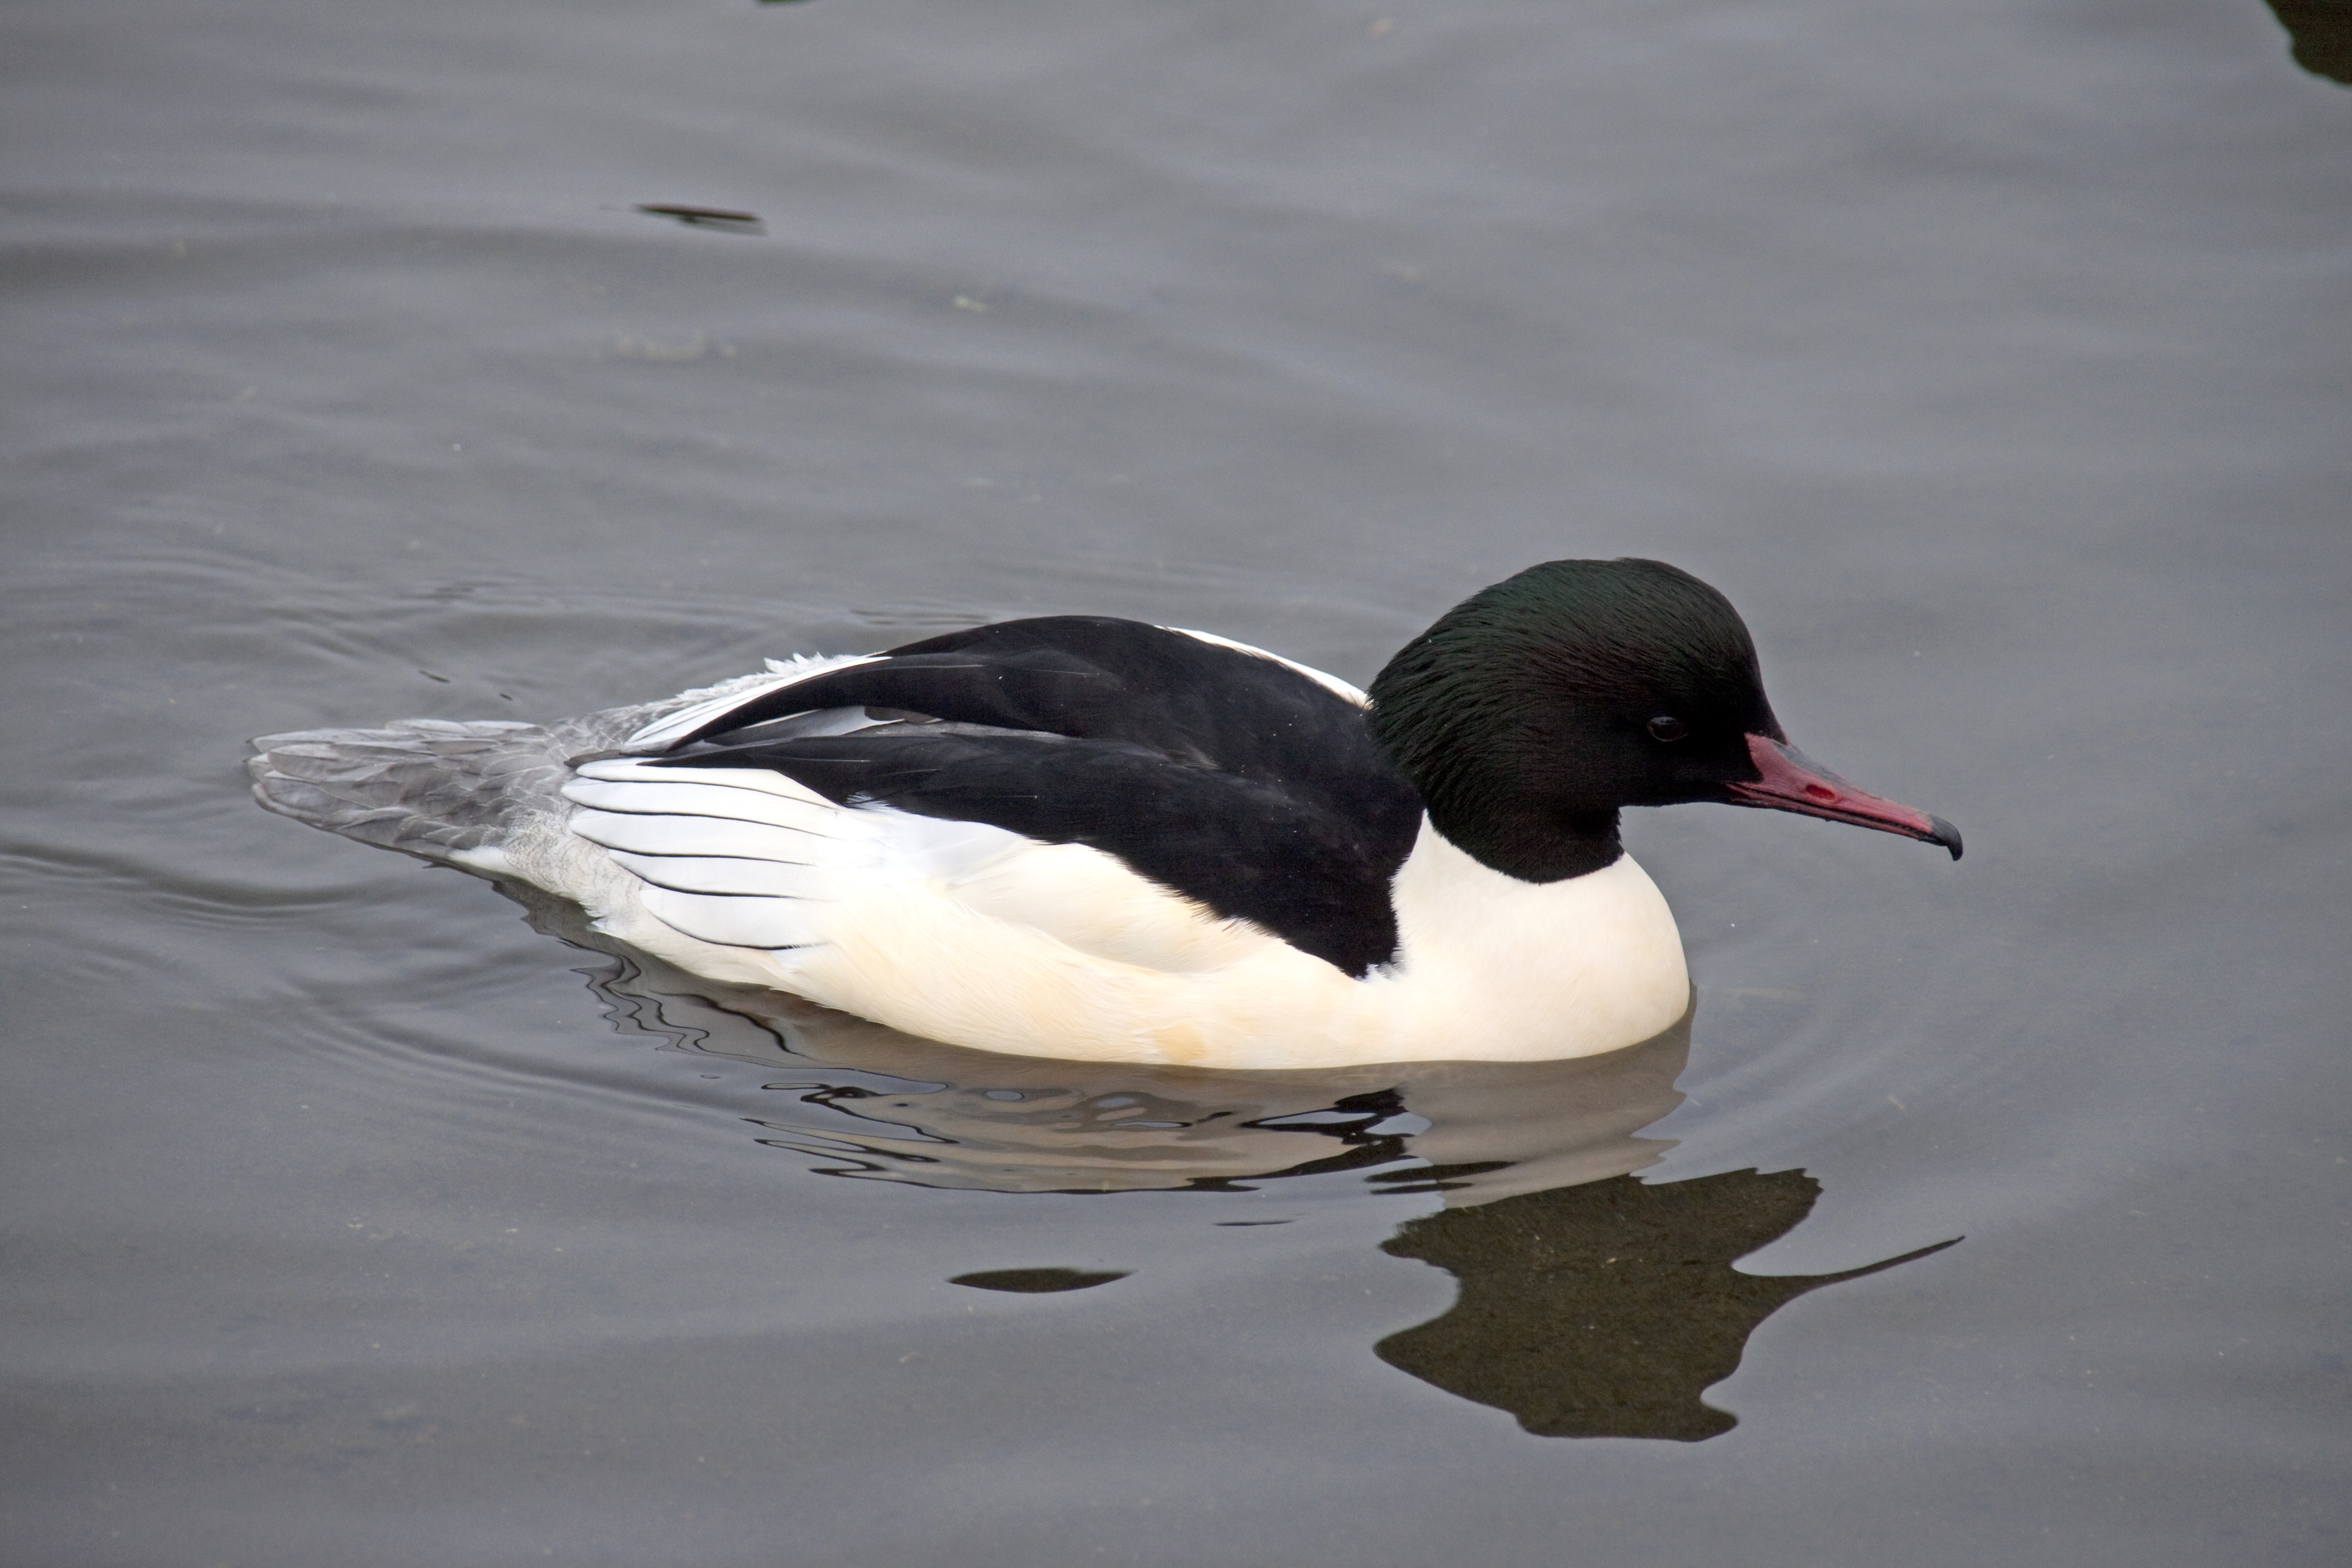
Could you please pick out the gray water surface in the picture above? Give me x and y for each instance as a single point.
(1993, 359)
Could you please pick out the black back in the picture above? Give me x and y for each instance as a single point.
(1228, 778)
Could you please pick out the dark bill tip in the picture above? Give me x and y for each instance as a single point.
(1788, 780)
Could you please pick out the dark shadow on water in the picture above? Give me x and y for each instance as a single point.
(1592, 1304)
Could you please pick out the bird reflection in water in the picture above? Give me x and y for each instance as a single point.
(1603, 1311)
(1591, 1305)
(2319, 34)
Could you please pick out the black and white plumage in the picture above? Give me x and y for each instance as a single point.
(1089, 837)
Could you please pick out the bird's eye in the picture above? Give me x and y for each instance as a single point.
(1666, 727)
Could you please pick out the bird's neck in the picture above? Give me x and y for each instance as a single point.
(1531, 846)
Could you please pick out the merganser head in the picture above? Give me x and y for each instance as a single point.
(1532, 711)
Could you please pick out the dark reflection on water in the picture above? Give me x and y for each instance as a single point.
(2322, 35)
(1603, 1310)
(1038, 1281)
(1591, 1305)
(726, 220)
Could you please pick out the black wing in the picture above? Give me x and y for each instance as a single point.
(1227, 777)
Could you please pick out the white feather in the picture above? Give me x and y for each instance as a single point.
(712, 702)
(642, 769)
(732, 874)
(1330, 683)
(680, 795)
(734, 921)
(646, 835)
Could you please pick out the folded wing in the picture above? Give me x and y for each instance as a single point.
(1244, 783)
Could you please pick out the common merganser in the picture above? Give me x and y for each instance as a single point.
(1096, 839)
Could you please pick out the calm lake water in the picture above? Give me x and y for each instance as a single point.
(1992, 358)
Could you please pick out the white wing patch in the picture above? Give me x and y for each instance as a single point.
(644, 834)
(1330, 683)
(768, 920)
(680, 794)
(733, 875)
(736, 856)
(714, 700)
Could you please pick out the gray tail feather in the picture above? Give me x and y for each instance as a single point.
(428, 787)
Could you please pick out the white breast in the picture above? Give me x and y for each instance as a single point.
(1496, 968)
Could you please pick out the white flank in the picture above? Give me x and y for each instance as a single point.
(975, 935)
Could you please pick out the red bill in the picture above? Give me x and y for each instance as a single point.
(1790, 781)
